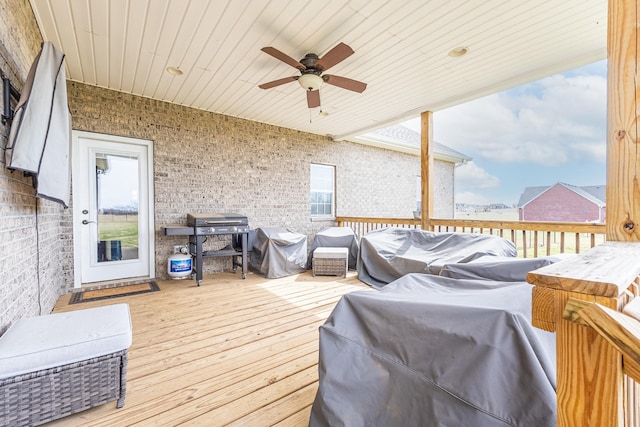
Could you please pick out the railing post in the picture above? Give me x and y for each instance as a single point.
(590, 387)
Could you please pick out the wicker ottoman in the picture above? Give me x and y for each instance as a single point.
(328, 261)
(59, 364)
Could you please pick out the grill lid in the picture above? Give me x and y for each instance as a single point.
(209, 219)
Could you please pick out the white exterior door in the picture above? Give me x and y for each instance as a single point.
(112, 207)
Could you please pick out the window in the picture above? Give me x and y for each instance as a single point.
(322, 190)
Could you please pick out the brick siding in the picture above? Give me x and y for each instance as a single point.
(560, 204)
(31, 230)
(443, 189)
(206, 162)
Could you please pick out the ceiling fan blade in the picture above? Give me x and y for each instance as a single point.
(283, 57)
(345, 83)
(313, 98)
(278, 82)
(338, 54)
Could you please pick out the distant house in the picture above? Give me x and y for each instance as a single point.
(563, 202)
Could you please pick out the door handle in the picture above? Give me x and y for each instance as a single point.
(85, 222)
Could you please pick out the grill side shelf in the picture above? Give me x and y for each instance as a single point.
(226, 251)
(197, 234)
(177, 230)
(195, 248)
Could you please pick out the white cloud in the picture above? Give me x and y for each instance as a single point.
(550, 122)
(471, 176)
(535, 134)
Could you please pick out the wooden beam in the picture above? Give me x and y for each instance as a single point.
(606, 270)
(623, 156)
(619, 330)
(543, 310)
(426, 162)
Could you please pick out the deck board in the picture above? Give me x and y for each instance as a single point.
(230, 352)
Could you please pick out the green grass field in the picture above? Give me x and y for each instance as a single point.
(125, 231)
(492, 215)
(553, 241)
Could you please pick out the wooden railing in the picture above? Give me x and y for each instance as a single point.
(598, 347)
(531, 238)
(588, 301)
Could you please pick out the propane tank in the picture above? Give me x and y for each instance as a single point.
(179, 264)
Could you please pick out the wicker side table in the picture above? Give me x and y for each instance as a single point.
(329, 261)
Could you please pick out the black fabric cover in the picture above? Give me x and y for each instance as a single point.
(434, 351)
(390, 253)
(278, 252)
(336, 237)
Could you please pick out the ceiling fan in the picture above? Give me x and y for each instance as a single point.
(311, 69)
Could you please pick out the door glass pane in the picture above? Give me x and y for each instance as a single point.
(117, 204)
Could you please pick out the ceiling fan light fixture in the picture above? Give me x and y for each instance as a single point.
(310, 82)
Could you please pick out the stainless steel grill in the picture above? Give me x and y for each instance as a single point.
(212, 224)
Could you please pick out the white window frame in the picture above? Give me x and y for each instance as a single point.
(316, 187)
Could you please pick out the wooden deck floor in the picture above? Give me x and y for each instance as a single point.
(230, 352)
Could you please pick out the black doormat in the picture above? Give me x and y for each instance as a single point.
(107, 293)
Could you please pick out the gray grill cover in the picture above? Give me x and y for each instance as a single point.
(278, 252)
(390, 253)
(505, 269)
(40, 137)
(434, 351)
(338, 237)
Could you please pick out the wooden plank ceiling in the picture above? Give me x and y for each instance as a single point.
(401, 52)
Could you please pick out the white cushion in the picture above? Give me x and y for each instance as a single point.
(42, 342)
(328, 252)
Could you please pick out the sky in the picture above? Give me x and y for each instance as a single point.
(119, 186)
(551, 130)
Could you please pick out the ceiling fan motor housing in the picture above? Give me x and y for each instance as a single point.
(309, 61)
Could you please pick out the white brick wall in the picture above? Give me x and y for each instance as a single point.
(443, 205)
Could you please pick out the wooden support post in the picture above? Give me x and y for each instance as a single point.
(426, 162)
(623, 122)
